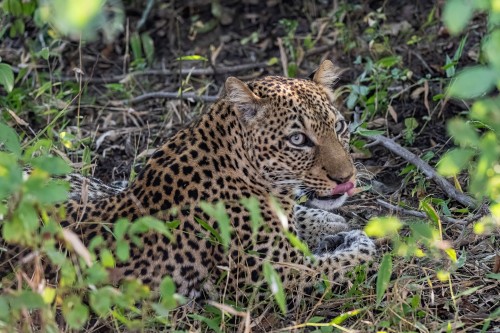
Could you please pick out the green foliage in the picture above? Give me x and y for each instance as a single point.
(218, 212)
(252, 205)
(290, 26)
(275, 286)
(29, 219)
(384, 276)
(371, 89)
(81, 20)
(473, 82)
(142, 50)
(6, 77)
(477, 135)
(457, 14)
(383, 226)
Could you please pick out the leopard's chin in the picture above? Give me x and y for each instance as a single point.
(328, 202)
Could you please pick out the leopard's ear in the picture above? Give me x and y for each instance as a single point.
(327, 74)
(243, 98)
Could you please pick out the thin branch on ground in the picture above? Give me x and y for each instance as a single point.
(415, 213)
(168, 72)
(169, 95)
(320, 49)
(425, 168)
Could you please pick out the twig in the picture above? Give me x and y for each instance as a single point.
(417, 213)
(169, 95)
(167, 72)
(320, 49)
(427, 170)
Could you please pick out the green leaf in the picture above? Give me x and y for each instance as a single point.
(51, 192)
(101, 300)
(468, 291)
(4, 309)
(492, 48)
(6, 77)
(75, 313)
(213, 324)
(44, 53)
(424, 231)
(9, 139)
(149, 223)
(122, 250)
(253, 206)
(13, 7)
(120, 228)
(298, 243)
(383, 226)
(366, 132)
(26, 299)
(167, 292)
(107, 258)
(193, 57)
(430, 211)
(218, 212)
(389, 61)
(48, 295)
(454, 161)
(135, 45)
(344, 316)
(53, 165)
(96, 274)
(11, 176)
(462, 133)
(456, 14)
(384, 276)
(209, 228)
(276, 287)
(148, 47)
(472, 82)
(495, 276)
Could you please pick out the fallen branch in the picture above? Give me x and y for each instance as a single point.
(168, 72)
(169, 95)
(417, 213)
(425, 168)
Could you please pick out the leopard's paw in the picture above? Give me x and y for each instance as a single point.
(353, 241)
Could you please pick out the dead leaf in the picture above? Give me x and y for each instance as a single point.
(393, 113)
(376, 123)
(395, 29)
(16, 118)
(77, 245)
(416, 93)
(496, 267)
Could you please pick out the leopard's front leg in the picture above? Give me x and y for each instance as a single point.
(314, 224)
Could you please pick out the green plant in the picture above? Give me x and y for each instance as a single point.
(478, 134)
(371, 89)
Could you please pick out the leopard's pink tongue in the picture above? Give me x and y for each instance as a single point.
(344, 188)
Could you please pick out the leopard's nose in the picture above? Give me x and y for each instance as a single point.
(340, 180)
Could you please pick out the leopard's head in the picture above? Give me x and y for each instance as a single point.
(296, 136)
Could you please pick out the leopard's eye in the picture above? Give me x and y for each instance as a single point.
(340, 126)
(299, 140)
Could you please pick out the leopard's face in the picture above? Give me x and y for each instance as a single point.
(299, 140)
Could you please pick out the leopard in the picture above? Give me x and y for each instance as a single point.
(272, 139)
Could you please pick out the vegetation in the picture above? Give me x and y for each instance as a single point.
(75, 88)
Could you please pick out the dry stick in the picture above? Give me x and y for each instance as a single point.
(428, 171)
(167, 72)
(169, 95)
(416, 213)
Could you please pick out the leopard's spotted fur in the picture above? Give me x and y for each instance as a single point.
(271, 138)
